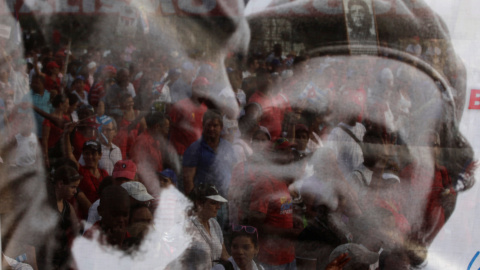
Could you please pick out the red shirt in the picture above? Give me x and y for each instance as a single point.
(89, 184)
(272, 198)
(125, 137)
(146, 153)
(186, 124)
(55, 132)
(273, 110)
(78, 141)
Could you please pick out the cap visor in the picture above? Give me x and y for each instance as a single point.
(217, 198)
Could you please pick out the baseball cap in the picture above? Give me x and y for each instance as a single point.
(170, 174)
(208, 191)
(213, 194)
(137, 191)
(125, 169)
(94, 145)
(90, 122)
(52, 64)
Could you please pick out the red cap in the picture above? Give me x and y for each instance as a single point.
(52, 65)
(125, 169)
(90, 122)
(200, 81)
(109, 68)
(60, 54)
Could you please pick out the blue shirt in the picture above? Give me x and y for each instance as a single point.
(211, 168)
(41, 102)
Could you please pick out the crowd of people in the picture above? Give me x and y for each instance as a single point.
(301, 161)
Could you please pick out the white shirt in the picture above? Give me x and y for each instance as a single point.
(93, 215)
(110, 156)
(348, 152)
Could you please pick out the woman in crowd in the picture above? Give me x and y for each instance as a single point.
(65, 183)
(51, 133)
(207, 244)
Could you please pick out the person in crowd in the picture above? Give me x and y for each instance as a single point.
(86, 129)
(210, 159)
(111, 153)
(52, 79)
(72, 108)
(207, 243)
(91, 173)
(187, 115)
(130, 125)
(124, 171)
(112, 100)
(269, 113)
(271, 211)
(99, 88)
(244, 249)
(27, 148)
(146, 152)
(114, 208)
(78, 89)
(344, 139)
(51, 134)
(65, 182)
(39, 98)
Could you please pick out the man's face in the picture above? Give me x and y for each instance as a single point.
(212, 129)
(409, 156)
(357, 13)
(141, 214)
(109, 131)
(115, 220)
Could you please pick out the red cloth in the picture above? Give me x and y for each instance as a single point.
(126, 138)
(55, 132)
(434, 216)
(146, 153)
(273, 111)
(51, 84)
(89, 184)
(186, 124)
(78, 141)
(96, 93)
(271, 197)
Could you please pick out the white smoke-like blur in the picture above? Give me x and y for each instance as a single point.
(165, 241)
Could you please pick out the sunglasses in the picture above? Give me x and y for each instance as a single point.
(247, 229)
